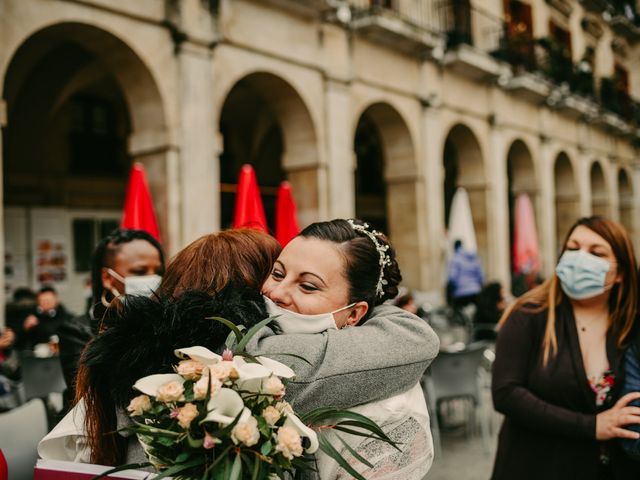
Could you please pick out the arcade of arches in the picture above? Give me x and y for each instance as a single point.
(83, 102)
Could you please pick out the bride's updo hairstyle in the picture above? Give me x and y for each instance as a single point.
(371, 268)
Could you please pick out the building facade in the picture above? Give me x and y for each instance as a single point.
(370, 108)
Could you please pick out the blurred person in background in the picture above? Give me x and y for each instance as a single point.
(407, 302)
(558, 370)
(125, 261)
(41, 326)
(464, 276)
(490, 307)
(21, 306)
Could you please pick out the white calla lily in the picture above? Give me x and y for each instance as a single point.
(224, 407)
(277, 368)
(304, 431)
(201, 354)
(149, 385)
(250, 371)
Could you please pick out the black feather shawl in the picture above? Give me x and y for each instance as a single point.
(140, 337)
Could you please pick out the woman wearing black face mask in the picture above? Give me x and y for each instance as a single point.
(558, 372)
(124, 262)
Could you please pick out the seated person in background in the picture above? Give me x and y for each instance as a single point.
(22, 305)
(490, 306)
(407, 302)
(40, 326)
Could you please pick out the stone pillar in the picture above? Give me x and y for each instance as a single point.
(431, 212)
(3, 123)
(498, 216)
(635, 208)
(582, 168)
(199, 144)
(546, 207)
(341, 161)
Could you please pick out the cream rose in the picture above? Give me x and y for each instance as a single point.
(246, 431)
(284, 407)
(170, 392)
(289, 442)
(190, 369)
(187, 414)
(139, 405)
(221, 370)
(273, 386)
(271, 415)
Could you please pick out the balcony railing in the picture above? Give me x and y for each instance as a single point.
(464, 23)
(417, 13)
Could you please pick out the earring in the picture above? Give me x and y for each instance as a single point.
(103, 299)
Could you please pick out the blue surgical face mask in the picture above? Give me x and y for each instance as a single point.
(582, 275)
(292, 322)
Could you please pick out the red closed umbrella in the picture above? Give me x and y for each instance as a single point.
(249, 212)
(526, 252)
(138, 206)
(286, 221)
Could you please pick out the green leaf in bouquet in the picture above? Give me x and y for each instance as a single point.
(150, 429)
(165, 441)
(356, 455)
(236, 468)
(121, 468)
(188, 391)
(330, 450)
(183, 457)
(232, 326)
(266, 448)
(251, 332)
(175, 469)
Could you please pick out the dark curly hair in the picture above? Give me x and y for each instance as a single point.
(362, 260)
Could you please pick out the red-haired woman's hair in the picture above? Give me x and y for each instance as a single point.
(241, 258)
(623, 300)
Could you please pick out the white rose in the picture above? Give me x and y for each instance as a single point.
(170, 392)
(187, 414)
(271, 415)
(273, 386)
(190, 369)
(289, 442)
(246, 431)
(139, 405)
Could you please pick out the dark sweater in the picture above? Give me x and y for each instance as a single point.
(550, 413)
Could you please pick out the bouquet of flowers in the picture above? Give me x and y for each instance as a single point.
(224, 417)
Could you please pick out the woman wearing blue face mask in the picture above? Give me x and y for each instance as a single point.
(558, 373)
(331, 277)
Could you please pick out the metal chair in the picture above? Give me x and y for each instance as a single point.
(20, 431)
(460, 375)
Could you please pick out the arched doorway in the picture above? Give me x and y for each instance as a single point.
(464, 167)
(566, 197)
(599, 191)
(77, 97)
(625, 201)
(385, 182)
(264, 122)
(521, 179)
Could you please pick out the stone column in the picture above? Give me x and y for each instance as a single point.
(341, 161)
(430, 215)
(583, 178)
(3, 123)
(199, 144)
(546, 207)
(498, 216)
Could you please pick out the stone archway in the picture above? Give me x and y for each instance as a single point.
(599, 191)
(385, 182)
(81, 106)
(464, 167)
(265, 122)
(625, 201)
(567, 197)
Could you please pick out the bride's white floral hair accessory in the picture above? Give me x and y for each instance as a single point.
(384, 260)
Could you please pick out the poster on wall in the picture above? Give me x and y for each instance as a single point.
(50, 248)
